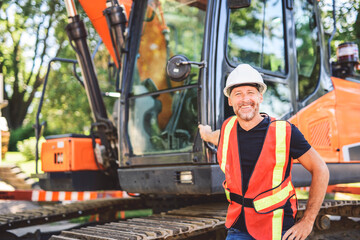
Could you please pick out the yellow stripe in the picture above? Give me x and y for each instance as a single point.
(227, 131)
(227, 194)
(277, 179)
(280, 153)
(271, 200)
(277, 224)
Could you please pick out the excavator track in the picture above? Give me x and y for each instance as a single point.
(57, 212)
(344, 208)
(192, 222)
(175, 224)
(183, 223)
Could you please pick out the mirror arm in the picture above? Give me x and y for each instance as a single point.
(199, 64)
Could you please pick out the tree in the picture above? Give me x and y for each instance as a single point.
(347, 21)
(25, 47)
(32, 33)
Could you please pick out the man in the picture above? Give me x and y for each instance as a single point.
(255, 152)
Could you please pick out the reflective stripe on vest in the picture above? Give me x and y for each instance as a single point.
(227, 131)
(227, 193)
(277, 224)
(278, 171)
(263, 204)
(277, 178)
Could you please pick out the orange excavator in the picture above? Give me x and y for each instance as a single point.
(172, 59)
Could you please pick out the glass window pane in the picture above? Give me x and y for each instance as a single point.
(308, 51)
(150, 134)
(170, 28)
(276, 101)
(256, 36)
(166, 122)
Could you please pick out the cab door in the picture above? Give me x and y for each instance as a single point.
(259, 35)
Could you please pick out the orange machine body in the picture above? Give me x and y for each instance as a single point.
(330, 123)
(94, 10)
(68, 154)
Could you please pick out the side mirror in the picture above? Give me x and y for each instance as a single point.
(234, 4)
(177, 68)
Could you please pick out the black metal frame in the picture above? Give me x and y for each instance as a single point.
(128, 61)
(126, 156)
(116, 21)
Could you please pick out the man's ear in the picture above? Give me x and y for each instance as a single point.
(229, 101)
(261, 98)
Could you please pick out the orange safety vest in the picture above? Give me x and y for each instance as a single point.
(268, 189)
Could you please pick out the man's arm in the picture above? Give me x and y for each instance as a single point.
(311, 161)
(208, 135)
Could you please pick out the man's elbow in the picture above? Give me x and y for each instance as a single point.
(323, 172)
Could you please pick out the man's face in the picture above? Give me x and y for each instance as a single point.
(245, 101)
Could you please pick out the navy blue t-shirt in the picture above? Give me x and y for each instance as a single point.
(250, 145)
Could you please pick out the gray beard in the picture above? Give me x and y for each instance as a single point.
(248, 116)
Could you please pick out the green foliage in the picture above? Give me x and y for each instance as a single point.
(26, 132)
(26, 44)
(20, 134)
(31, 33)
(27, 147)
(65, 107)
(252, 30)
(138, 213)
(186, 29)
(347, 22)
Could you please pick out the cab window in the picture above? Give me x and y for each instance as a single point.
(256, 36)
(307, 48)
(162, 112)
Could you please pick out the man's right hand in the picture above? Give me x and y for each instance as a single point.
(208, 135)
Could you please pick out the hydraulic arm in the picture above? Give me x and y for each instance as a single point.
(102, 126)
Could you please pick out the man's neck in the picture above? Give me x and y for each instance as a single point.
(248, 125)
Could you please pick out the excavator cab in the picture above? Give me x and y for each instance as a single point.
(163, 153)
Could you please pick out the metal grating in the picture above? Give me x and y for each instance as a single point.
(320, 134)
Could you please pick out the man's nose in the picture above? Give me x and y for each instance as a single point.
(245, 97)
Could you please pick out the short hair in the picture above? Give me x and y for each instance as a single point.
(257, 86)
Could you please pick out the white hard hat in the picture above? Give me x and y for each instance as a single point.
(242, 75)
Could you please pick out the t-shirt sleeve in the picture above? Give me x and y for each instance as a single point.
(298, 143)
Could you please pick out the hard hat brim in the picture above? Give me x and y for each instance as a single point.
(262, 87)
